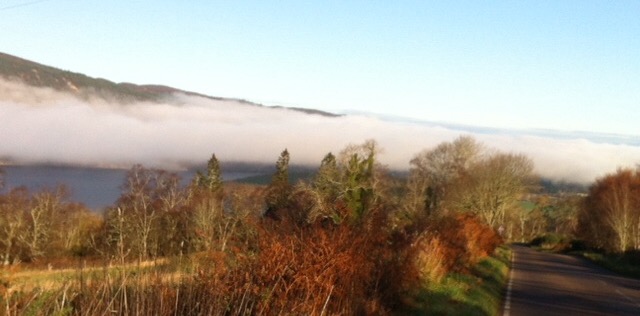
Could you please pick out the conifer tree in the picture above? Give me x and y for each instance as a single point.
(359, 191)
(281, 176)
(327, 180)
(212, 180)
(279, 189)
(207, 203)
(359, 180)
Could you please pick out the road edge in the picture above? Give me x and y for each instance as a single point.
(506, 308)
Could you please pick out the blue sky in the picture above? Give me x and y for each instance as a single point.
(563, 65)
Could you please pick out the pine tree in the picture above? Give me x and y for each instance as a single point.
(327, 180)
(212, 180)
(207, 202)
(281, 176)
(279, 189)
(359, 190)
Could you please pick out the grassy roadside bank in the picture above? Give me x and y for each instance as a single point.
(623, 264)
(479, 292)
(626, 264)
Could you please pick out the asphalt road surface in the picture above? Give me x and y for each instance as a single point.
(553, 284)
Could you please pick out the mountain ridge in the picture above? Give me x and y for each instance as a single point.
(80, 85)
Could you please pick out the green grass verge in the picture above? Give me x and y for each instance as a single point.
(621, 264)
(479, 292)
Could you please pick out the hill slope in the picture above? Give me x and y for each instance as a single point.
(83, 86)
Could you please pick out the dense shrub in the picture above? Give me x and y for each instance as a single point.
(314, 269)
(430, 260)
(465, 239)
(632, 257)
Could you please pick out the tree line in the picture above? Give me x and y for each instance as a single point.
(155, 216)
(353, 238)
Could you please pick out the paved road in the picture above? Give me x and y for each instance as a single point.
(553, 284)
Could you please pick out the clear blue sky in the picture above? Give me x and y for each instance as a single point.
(566, 65)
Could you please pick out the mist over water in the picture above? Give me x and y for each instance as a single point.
(44, 126)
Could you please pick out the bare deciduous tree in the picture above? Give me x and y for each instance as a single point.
(494, 186)
(613, 205)
(46, 209)
(147, 195)
(12, 223)
(434, 170)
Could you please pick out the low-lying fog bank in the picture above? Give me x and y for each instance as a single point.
(44, 126)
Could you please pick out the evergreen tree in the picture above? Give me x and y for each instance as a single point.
(327, 180)
(207, 203)
(281, 176)
(212, 180)
(279, 189)
(359, 189)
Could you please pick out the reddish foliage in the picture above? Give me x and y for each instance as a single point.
(305, 270)
(465, 240)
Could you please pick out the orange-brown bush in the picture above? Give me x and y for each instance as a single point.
(465, 240)
(311, 270)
